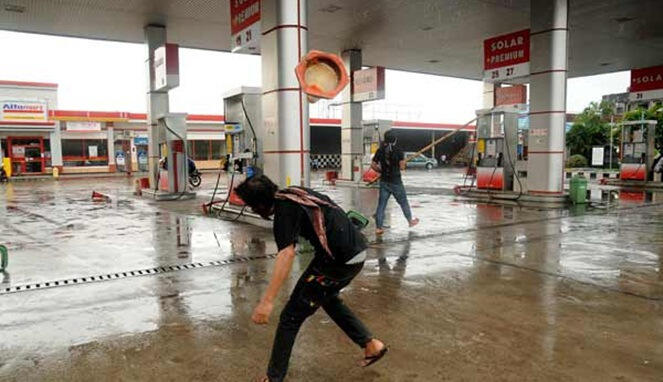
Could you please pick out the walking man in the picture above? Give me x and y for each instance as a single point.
(389, 161)
(339, 256)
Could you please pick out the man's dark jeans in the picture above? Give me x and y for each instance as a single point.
(317, 287)
(386, 190)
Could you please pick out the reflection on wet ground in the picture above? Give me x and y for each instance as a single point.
(477, 291)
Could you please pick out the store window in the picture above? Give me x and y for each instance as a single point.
(27, 154)
(218, 149)
(206, 149)
(84, 152)
(47, 153)
(201, 150)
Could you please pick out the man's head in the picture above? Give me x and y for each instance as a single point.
(258, 193)
(389, 137)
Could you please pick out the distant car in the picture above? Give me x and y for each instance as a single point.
(420, 161)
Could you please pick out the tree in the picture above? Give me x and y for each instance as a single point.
(590, 128)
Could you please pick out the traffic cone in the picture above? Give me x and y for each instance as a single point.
(234, 199)
(321, 75)
(99, 197)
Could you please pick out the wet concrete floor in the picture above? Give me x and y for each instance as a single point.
(477, 292)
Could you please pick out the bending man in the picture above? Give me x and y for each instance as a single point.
(339, 256)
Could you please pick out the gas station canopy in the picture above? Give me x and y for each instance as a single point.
(441, 37)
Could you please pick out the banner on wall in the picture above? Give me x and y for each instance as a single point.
(511, 95)
(506, 57)
(245, 26)
(167, 67)
(368, 84)
(646, 84)
(83, 126)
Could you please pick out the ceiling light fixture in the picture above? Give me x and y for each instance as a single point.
(433, 61)
(624, 19)
(331, 8)
(14, 8)
(426, 28)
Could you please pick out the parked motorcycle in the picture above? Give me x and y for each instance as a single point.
(195, 179)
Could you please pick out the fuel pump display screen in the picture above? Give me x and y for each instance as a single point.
(498, 125)
(628, 149)
(638, 136)
(491, 148)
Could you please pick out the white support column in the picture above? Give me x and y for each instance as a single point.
(489, 94)
(286, 147)
(133, 154)
(548, 36)
(351, 129)
(55, 138)
(110, 147)
(157, 102)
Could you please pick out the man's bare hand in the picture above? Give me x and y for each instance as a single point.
(262, 312)
(376, 167)
(282, 267)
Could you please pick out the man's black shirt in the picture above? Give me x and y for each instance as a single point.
(292, 220)
(389, 161)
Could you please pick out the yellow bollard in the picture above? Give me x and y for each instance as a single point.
(56, 172)
(7, 164)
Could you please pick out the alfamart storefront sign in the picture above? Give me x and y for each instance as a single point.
(23, 111)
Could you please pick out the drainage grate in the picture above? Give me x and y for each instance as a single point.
(127, 274)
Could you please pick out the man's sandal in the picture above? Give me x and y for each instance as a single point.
(371, 359)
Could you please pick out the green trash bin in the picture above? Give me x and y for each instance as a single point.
(359, 220)
(4, 258)
(578, 190)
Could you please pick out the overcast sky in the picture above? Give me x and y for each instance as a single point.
(109, 76)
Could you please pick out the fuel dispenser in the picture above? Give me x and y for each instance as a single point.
(173, 173)
(373, 132)
(242, 111)
(497, 147)
(637, 149)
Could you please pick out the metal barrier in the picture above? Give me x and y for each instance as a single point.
(592, 173)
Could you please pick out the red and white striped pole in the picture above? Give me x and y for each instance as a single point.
(548, 72)
(286, 145)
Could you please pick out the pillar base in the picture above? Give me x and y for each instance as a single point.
(355, 183)
(161, 196)
(515, 198)
(235, 213)
(633, 184)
